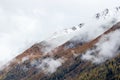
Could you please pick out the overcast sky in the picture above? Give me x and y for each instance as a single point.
(25, 22)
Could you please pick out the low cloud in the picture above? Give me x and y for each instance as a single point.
(50, 65)
(107, 47)
(23, 23)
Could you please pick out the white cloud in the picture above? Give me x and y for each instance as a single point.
(50, 65)
(107, 47)
(25, 22)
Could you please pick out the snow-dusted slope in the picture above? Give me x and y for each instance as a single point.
(92, 28)
(90, 31)
(64, 63)
(59, 38)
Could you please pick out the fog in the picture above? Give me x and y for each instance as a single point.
(107, 48)
(50, 65)
(25, 22)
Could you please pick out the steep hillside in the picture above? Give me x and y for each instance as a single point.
(63, 63)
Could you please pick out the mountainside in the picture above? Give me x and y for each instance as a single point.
(73, 54)
(62, 63)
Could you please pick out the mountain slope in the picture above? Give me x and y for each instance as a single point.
(77, 53)
(67, 63)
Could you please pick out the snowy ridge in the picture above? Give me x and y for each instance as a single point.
(59, 38)
(67, 31)
(92, 28)
(108, 13)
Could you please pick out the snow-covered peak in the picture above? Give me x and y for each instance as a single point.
(108, 13)
(62, 36)
(92, 28)
(66, 31)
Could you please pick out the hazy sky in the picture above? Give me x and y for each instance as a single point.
(24, 22)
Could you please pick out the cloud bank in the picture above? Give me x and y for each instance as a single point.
(25, 22)
(50, 65)
(107, 47)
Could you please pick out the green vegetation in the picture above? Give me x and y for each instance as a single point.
(73, 69)
(83, 70)
(110, 70)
